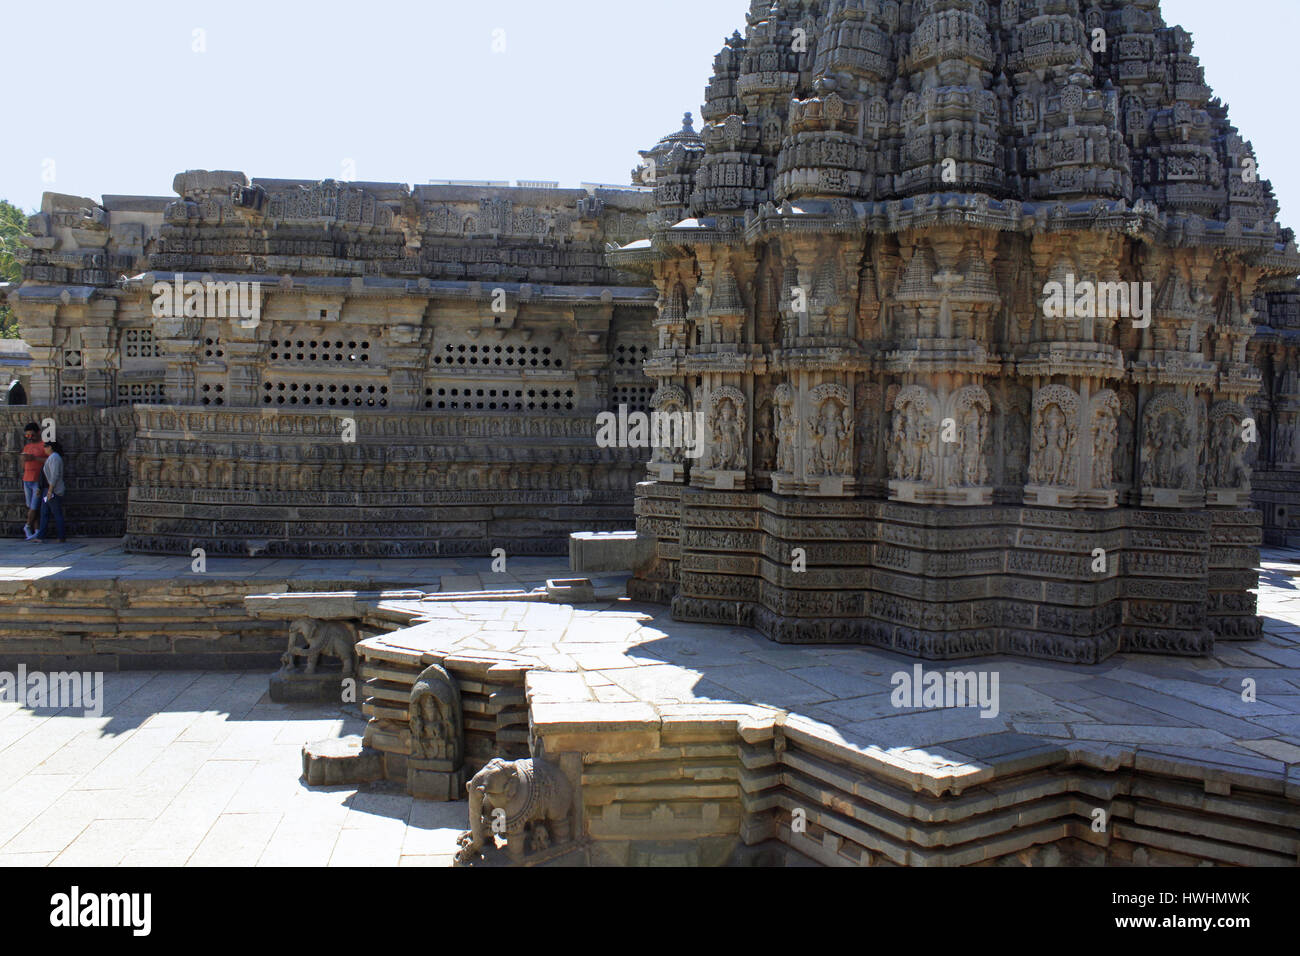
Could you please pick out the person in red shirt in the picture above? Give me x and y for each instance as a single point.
(33, 458)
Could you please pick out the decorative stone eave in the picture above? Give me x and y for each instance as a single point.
(663, 367)
(1278, 263)
(969, 361)
(822, 360)
(1240, 382)
(724, 363)
(701, 232)
(641, 257)
(1096, 365)
(971, 210)
(1157, 373)
(640, 262)
(380, 287)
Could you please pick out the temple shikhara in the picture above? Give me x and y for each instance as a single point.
(991, 317)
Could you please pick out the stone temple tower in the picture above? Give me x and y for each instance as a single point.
(963, 292)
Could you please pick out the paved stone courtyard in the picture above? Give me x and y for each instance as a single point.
(201, 769)
(198, 769)
(95, 559)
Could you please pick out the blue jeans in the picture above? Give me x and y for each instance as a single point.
(52, 507)
(32, 495)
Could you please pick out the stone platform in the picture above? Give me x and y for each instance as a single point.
(89, 597)
(715, 739)
(693, 744)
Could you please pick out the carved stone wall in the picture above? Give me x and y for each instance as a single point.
(411, 484)
(331, 368)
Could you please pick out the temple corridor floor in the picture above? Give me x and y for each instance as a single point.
(202, 769)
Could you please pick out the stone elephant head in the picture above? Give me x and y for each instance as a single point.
(500, 780)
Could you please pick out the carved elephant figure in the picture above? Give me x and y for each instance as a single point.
(310, 639)
(515, 797)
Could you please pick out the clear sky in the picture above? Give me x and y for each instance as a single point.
(118, 97)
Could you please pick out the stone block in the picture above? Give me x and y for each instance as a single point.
(570, 591)
(609, 551)
(341, 761)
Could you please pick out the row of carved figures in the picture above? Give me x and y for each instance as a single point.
(230, 475)
(964, 439)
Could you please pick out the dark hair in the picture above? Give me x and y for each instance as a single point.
(31, 427)
(55, 446)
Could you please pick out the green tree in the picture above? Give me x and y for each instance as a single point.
(13, 224)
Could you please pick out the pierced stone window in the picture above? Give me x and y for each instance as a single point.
(141, 393)
(324, 394)
(629, 358)
(73, 394)
(629, 385)
(498, 356)
(490, 399)
(635, 397)
(139, 343)
(72, 358)
(213, 394)
(213, 349)
(332, 351)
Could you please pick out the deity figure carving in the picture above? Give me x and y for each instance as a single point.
(831, 430)
(728, 437)
(1230, 469)
(669, 402)
(1053, 461)
(1053, 446)
(1165, 447)
(1227, 447)
(971, 408)
(912, 436)
(1106, 411)
(436, 719)
(787, 429)
(971, 431)
(1105, 441)
(1122, 472)
(1167, 443)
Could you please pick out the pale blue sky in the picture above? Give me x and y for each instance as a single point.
(115, 96)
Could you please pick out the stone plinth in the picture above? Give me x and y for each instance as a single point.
(434, 780)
